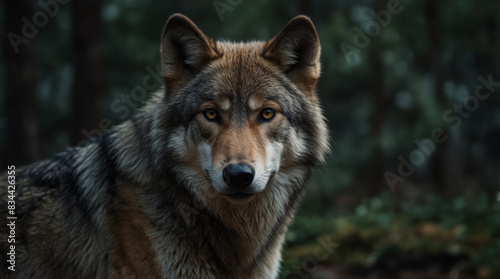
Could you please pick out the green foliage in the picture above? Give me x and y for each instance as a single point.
(461, 226)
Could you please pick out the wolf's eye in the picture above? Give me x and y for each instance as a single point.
(267, 114)
(211, 114)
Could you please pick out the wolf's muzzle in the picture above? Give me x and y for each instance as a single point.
(238, 176)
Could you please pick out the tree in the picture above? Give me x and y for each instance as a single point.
(21, 111)
(87, 57)
(441, 165)
(306, 7)
(376, 182)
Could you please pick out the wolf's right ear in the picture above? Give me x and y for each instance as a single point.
(185, 50)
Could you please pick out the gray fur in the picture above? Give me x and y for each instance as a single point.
(145, 201)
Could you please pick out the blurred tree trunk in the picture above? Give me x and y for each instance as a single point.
(22, 143)
(306, 7)
(179, 7)
(441, 167)
(87, 57)
(376, 171)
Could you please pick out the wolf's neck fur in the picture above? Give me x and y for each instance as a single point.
(237, 237)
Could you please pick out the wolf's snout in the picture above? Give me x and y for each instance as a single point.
(238, 175)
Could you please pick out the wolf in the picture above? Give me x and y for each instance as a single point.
(202, 182)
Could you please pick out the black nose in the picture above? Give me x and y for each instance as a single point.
(238, 175)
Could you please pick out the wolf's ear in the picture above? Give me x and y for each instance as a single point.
(185, 50)
(296, 50)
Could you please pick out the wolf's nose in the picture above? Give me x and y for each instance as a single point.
(238, 175)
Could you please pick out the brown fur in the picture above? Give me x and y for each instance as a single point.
(130, 230)
(149, 199)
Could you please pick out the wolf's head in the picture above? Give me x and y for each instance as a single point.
(241, 115)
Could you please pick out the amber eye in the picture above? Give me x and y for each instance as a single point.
(267, 114)
(211, 114)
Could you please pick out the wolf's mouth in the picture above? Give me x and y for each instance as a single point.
(239, 197)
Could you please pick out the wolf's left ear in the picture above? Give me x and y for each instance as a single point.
(185, 50)
(296, 50)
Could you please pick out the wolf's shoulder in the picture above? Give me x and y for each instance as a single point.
(48, 171)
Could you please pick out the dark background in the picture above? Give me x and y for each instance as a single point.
(395, 75)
